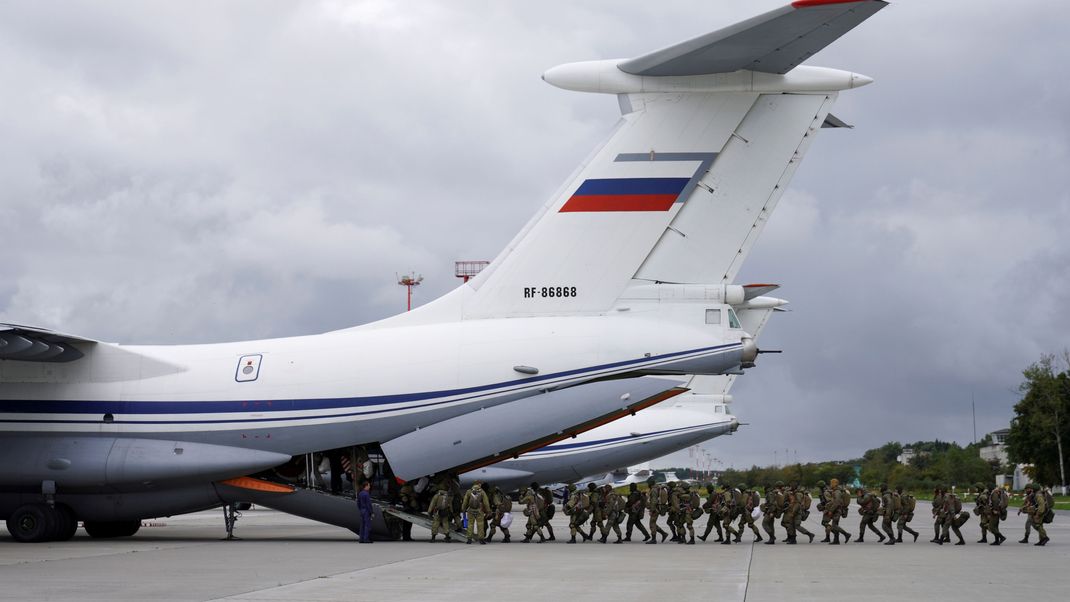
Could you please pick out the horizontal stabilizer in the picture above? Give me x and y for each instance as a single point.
(30, 344)
(750, 291)
(775, 42)
(831, 121)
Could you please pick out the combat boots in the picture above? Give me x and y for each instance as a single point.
(573, 540)
(1041, 542)
(691, 541)
(835, 539)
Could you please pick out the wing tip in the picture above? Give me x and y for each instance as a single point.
(809, 3)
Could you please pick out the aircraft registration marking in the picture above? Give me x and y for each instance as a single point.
(549, 292)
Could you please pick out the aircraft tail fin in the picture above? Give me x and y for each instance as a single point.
(681, 189)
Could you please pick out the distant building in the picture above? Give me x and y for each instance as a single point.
(909, 453)
(997, 452)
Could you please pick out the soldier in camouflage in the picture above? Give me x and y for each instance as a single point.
(751, 500)
(938, 509)
(476, 505)
(441, 511)
(501, 504)
(614, 510)
(577, 510)
(952, 518)
(683, 503)
(869, 508)
(713, 507)
(531, 501)
(890, 508)
(772, 509)
(981, 500)
(907, 504)
(732, 499)
(636, 506)
(997, 507)
(653, 509)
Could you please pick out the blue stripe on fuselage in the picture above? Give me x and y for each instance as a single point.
(14, 406)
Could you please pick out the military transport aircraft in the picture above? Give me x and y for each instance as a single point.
(615, 278)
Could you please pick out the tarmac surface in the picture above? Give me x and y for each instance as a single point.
(282, 558)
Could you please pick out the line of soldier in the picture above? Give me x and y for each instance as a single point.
(595, 511)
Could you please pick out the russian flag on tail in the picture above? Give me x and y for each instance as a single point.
(625, 194)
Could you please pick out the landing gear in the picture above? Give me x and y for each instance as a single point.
(35, 523)
(31, 523)
(110, 529)
(230, 517)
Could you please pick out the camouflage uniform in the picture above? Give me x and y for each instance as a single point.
(546, 511)
(869, 508)
(672, 519)
(502, 505)
(836, 507)
(654, 509)
(997, 508)
(683, 504)
(531, 500)
(981, 500)
(938, 518)
(636, 505)
(751, 500)
(713, 507)
(890, 507)
(407, 498)
(953, 518)
(441, 511)
(906, 514)
(614, 513)
(598, 508)
(1035, 507)
(477, 506)
(796, 511)
(576, 509)
(772, 509)
(732, 500)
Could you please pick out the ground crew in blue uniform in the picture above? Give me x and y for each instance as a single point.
(364, 504)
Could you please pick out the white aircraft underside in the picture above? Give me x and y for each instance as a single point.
(616, 278)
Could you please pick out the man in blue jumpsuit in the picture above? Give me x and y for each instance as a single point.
(364, 504)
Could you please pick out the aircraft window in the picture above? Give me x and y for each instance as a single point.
(713, 316)
(733, 321)
(719, 409)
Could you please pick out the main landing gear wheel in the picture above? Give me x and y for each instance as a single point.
(109, 529)
(66, 523)
(32, 523)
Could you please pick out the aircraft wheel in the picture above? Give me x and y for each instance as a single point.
(32, 523)
(66, 523)
(109, 529)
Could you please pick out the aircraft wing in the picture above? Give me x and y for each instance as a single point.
(775, 42)
(32, 344)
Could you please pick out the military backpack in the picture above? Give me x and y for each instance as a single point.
(908, 503)
(1049, 514)
(897, 506)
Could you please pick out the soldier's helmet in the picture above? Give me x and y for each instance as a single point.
(899, 489)
(1029, 487)
(633, 486)
(572, 487)
(884, 487)
(821, 484)
(591, 486)
(979, 486)
(834, 483)
(534, 486)
(742, 486)
(651, 480)
(685, 484)
(779, 484)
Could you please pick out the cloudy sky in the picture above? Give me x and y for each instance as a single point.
(206, 171)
